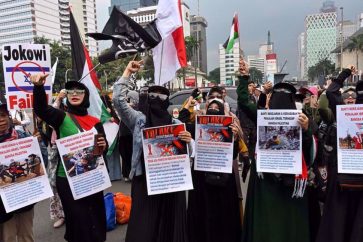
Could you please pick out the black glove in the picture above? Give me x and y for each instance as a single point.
(196, 93)
(246, 166)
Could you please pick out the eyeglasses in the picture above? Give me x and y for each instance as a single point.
(75, 91)
(282, 90)
(153, 95)
(348, 95)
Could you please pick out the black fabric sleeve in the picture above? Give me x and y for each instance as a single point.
(52, 116)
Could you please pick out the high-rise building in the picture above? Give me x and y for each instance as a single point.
(85, 14)
(349, 28)
(320, 36)
(360, 20)
(229, 64)
(22, 21)
(198, 30)
(145, 15)
(126, 5)
(301, 56)
(257, 62)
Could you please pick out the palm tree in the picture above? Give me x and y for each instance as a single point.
(356, 45)
(191, 46)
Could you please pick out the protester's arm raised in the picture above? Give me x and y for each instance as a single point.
(120, 88)
(50, 115)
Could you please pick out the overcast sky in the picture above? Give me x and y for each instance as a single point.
(284, 18)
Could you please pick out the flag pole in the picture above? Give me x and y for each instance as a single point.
(89, 72)
(161, 60)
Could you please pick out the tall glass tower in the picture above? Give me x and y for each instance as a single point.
(126, 5)
(320, 36)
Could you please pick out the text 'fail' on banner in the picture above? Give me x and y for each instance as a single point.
(20, 61)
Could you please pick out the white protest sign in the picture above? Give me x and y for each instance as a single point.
(86, 171)
(167, 163)
(279, 142)
(214, 144)
(23, 178)
(20, 61)
(349, 138)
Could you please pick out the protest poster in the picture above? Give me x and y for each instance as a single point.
(214, 144)
(20, 61)
(23, 178)
(349, 138)
(279, 142)
(167, 162)
(85, 168)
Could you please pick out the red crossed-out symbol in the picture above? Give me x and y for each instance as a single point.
(26, 75)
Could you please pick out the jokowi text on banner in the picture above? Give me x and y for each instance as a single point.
(20, 61)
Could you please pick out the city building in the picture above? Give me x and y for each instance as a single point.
(360, 20)
(145, 15)
(126, 5)
(23, 20)
(85, 14)
(320, 36)
(198, 30)
(301, 56)
(349, 28)
(257, 62)
(229, 64)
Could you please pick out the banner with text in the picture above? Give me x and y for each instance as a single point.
(86, 170)
(279, 142)
(167, 162)
(349, 138)
(20, 61)
(214, 144)
(23, 178)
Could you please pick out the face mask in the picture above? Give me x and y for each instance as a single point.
(213, 112)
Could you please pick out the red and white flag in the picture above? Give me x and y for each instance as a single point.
(170, 54)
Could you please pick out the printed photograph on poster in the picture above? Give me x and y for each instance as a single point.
(84, 164)
(167, 162)
(279, 142)
(350, 138)
(214, 144)
(279, 138)
(82, 161)
(20, 169)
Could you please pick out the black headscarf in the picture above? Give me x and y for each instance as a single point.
(214, 111)
(155, 110)
(80, 110)
(281, 99)
(359, 91)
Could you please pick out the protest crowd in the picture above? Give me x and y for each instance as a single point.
(289, 146)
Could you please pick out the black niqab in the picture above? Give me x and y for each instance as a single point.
(155, 110)
(359, 91)
(283, 100)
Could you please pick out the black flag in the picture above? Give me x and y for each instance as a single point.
(128, 37)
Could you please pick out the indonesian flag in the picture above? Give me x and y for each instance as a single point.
(82, 65)
(234, 34)
(170, 54)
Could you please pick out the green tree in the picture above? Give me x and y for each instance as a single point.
(256, 75)
(57, 50)
(323, 68)
(356, 45)
(215, 76)
(191, 46)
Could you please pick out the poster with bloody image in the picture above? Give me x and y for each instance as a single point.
(214, 143)
(167, 163)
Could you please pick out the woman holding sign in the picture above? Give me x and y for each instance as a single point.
(272, 214)
(85, 218)
(159, 217)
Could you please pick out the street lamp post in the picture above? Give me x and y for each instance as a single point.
(66, 75)
(104, 72)
(341, 39)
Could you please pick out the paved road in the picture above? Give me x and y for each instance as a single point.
(43, 226)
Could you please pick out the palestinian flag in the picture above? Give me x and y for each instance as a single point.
(82, 65)
(228, 45)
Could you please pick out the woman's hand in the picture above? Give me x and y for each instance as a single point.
(243, 67)
(101, 142)
(185, 136)
(234, 129)
(303, 120)
(132, 67)
(38, 79)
